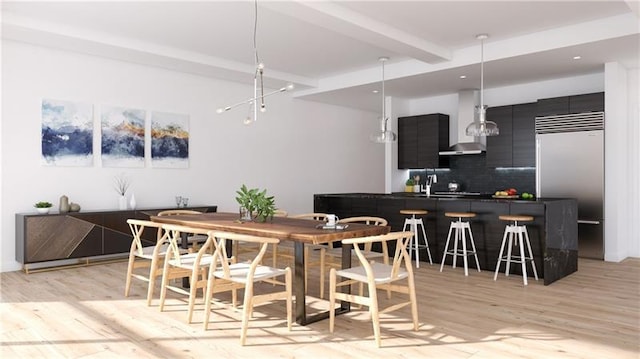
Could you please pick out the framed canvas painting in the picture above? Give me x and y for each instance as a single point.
(122, 136)
(67, 133)
(169, 140)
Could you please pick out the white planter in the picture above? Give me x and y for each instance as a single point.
(43, 210)
(416, 188)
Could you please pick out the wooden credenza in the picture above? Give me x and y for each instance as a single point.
(79, 235)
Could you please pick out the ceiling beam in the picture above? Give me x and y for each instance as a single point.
(350, 23)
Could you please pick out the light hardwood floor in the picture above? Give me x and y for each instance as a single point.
(82, 313)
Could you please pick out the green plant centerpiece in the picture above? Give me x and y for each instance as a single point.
(43, 205)
(255, 204)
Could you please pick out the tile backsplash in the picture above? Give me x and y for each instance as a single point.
(472, 174)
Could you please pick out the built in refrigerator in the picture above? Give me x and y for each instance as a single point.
(570, 164)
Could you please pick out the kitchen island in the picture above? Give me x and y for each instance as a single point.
(553, 233)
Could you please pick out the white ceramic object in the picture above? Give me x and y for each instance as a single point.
(43, 210)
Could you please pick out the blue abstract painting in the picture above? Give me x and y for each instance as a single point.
(67, 133)
(169, 140)
(122, 136)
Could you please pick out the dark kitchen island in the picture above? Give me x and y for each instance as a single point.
(553, 233)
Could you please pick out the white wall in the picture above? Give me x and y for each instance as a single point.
(296, 149)
(622, 149)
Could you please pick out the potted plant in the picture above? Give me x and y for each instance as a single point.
(255, 204)
(43, 206)
(408, 186)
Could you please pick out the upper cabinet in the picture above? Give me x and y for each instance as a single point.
(515, 145)
(420, 138)
(592, 102)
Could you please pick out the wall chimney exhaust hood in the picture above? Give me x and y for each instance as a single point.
(464, 148)
(466, 145)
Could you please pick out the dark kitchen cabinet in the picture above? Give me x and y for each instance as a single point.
(515, 145)
(592, 102)
(420, 138)
(524, 135)
(500, 148)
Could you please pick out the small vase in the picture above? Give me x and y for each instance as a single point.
(416, 188)
(122, 202)
(132, 201)
(63, 207)
(245, 215)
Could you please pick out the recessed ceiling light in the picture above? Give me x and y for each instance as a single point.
(577, 57)
(375, 91)
(463, 76)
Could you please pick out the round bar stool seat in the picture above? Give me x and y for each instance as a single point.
(458, 228)
(413, 223)
(515, 233)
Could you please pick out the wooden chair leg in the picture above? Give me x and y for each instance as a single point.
(246, 312)
(127, 285)
(153, 274)
(375, 315)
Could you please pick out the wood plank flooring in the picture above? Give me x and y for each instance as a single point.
(82, 313)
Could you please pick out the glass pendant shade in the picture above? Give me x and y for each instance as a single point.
(482, 127)
(385, 135)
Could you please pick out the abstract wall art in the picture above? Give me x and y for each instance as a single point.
(169, 140)
(67, 133)
(122, 136)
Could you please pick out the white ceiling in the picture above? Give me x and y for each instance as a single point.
(330, 49)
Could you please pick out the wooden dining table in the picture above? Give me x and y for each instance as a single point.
(299, 231)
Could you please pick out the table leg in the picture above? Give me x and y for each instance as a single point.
(299, 290)
(298, 283)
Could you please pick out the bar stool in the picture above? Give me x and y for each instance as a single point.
(516, 233)
(413, 223)
(460, 235)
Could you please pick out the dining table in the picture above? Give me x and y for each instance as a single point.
(299, 231)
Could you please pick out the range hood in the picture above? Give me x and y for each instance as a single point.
(464, 148)
(467, 102)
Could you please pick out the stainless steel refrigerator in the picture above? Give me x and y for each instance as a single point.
(570, 164)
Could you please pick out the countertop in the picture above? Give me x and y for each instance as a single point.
(447, 197)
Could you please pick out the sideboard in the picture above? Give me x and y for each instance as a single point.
(44, 239)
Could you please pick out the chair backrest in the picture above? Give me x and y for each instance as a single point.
(281, 213)
(221, 258)
(137, 227)
(314, 216)
(400, 258)
(376, 221)
(174, 237)
(177, 212)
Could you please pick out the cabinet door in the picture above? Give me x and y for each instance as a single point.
(592, 102)
(500, 148)
(407, 142)
(524, 135)
(552, 106)
(428, 141)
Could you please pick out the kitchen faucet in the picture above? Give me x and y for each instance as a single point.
(431, 179)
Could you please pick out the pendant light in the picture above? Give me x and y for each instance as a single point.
(385, 135)
(252, 116)
(482, 127)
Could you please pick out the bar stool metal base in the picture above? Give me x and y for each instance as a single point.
(516, 233)
(413, 223)
(458, 228)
